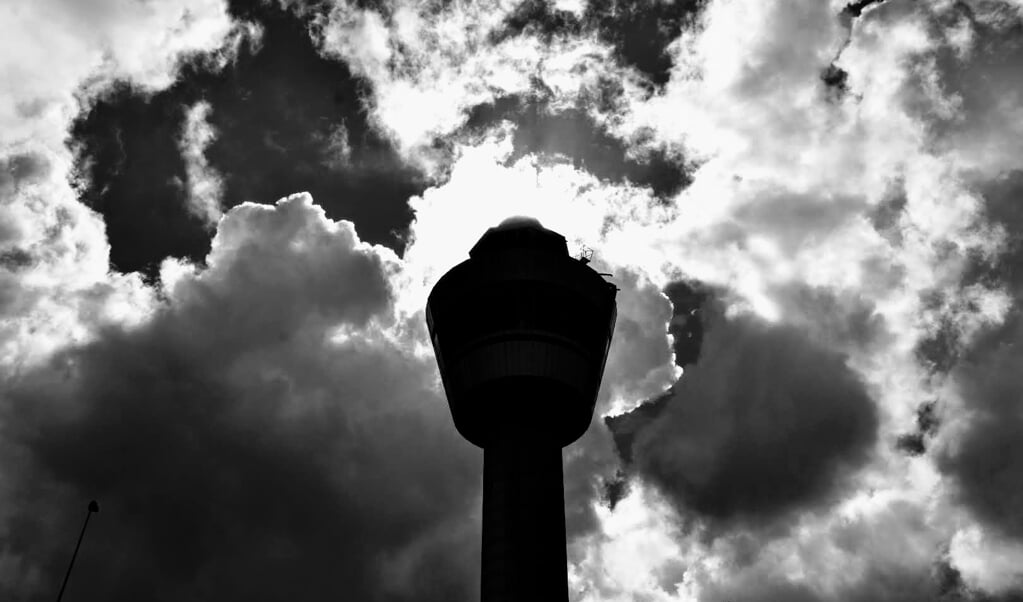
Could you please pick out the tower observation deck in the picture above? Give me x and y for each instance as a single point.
(521, 332)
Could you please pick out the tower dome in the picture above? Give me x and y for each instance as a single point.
(521, 329)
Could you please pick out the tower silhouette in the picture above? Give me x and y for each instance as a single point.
(521, 332)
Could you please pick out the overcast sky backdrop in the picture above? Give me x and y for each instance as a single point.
(219, 222)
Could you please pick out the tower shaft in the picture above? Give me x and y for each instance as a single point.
(524, 556)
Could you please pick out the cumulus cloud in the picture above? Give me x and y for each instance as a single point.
(447, 59)
(767, 423)
(842, 176)
(979, 450)
(835, 216)
(285, 119)
(90, 44)
(637, 366)
(987, 456)
(833, 221)
(442, 73)
(843, 224)
(58, 56)
(984, 131)
(894, 555)
(987, 562)
(266, 434)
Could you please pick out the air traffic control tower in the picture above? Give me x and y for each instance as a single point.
(521, 331)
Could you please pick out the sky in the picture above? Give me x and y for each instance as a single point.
(219, 223)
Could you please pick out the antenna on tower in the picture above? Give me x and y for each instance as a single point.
(585, 254)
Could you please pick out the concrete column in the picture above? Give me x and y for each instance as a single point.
(524, 557)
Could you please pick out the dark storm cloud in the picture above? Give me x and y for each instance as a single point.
(637, 364)
(237, 451)
(686, 331)
(686, 326)
(574, 135)
(841, 320)
(639, 31)
(764, 590)
(974, 54)
(766, 422)
(1003, 203)
(987, 459)
(625, 427)
(286, 119)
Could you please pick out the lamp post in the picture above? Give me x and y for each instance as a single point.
(93, 507)
(521, 332)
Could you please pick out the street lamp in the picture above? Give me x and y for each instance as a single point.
(93, 508)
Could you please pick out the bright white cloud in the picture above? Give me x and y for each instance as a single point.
(630, 552)
(442, 61)
(52, 49)
(987, 562)
(205, 186)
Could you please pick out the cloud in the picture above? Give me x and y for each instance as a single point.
(983, 132)
(987, 562)
(268, 433)
(867, 228)
(765, 424)
(638, 365)
(575, 135)
(979, 450)
(447, 59)
(987, 456)
(58, 56)
(205, 186)
(890, 556)
(840, 225)
(639, 32)
(286, 119)
(89, 44)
